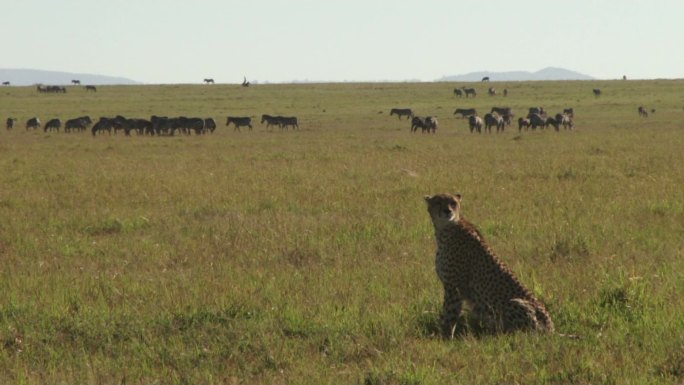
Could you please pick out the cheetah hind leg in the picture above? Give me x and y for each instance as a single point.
(521, 314)
(451, 313)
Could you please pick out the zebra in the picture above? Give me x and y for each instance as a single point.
(209, 81)
(469, 92)
(33, 123)
(239, 122)
(401, 112)
(569, 111)
(209, 125)
(491, 91)
(270, 120)
(52, 124)
(77, 124)
(91, 88)
(501, 110)
(493, 119)
(475, 123)
(430, 124)
(76, 82)
(642, 112)
(458, 92)
(417, 122)
(523, 123)
(465, 112)
(286, 121)
(565, 120)
(485, 79)
(536, 120)
(10, 123)
(597, 92)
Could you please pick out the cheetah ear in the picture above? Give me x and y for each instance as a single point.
(458, 196)
(427, 198)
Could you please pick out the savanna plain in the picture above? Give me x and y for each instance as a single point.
(307, 256)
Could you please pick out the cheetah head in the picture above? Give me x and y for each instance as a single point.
(444, 208)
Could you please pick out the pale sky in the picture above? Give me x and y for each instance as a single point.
(174, 41)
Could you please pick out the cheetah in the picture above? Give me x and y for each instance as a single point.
(470, 272)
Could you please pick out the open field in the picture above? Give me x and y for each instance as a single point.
(307, 257)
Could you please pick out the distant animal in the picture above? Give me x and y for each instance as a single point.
(239, 122)
(245, 83)
(523, 123)
(537, 110)
(485, 79)
(416, 123)
(431, 124)
(33, 123)
(465, 112)
(565, 120)
(288, 121)
(642, 112)
(102, 125)
(505, 92)
(270, 120)
(470, 92)
(10, 123)
(536, 120)
(401, 112)
(491, 91)
(472, 273)
(597, 92)
(569, 111)
(501, 110)
(52, 124)
(552, 121)
(493, 120)
(209, 81)
(458, 92)
(77, 124)
(76, 82)
(209, 125)
(475, 123)
(91, 88)
(6, 83)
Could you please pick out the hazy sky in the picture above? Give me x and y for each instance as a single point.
(173, 41)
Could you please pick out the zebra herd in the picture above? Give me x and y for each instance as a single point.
(498, 117)
(156, 125)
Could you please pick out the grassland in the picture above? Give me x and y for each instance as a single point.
(307, 257)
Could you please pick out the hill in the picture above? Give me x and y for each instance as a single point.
(549, 73)
(27, 77)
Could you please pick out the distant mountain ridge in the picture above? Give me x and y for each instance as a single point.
(549, 73)
(28, 77)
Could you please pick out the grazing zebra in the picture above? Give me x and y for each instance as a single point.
(76, 82)
(569, 111)
(469, 92)
(286, 121)
(52, 124)
(465, 112)
(209, 81)
(77, 124)
(597, 92)
(642, 112)
(485, 79)
(33, 123)
(239, 122)
(537, 110)
(10, 123)
(491, 120)
(5, 83)
(475, 123)
(401, 112)
(491, 91)
(523, 123)
(458, 92)
(91, 88)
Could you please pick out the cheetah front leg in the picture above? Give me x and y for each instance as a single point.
(451, 311)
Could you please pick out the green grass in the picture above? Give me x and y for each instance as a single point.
(308, 257)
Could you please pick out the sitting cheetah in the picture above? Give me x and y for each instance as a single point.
(471, 272)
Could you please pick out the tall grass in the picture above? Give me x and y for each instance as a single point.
(308, 256)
